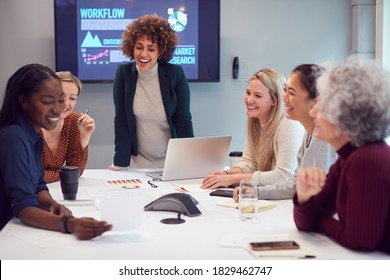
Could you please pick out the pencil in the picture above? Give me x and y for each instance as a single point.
(86, 112)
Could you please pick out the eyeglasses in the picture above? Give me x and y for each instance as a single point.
(152, 185)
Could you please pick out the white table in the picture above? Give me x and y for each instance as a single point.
(212, 235)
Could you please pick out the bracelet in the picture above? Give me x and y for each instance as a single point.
(64, 219)
(226, 172)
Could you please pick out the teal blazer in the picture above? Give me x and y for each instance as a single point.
(175, 93)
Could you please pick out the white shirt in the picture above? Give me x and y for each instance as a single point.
(287, 141)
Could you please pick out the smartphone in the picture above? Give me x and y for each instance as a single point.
(224, 193)
(275, 245)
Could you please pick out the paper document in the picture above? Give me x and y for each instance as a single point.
(123, 183)
(77, 202)
(262, 205)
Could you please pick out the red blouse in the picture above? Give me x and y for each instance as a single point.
(69, 151)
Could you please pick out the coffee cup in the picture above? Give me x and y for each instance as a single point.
(69, 177)
(235, 158)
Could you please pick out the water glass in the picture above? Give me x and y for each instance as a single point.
(248, 200)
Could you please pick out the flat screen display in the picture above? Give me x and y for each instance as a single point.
(88, 35)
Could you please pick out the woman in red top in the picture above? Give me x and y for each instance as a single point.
(352, 114)
(68, 142)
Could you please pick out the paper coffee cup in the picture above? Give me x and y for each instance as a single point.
(235, 158)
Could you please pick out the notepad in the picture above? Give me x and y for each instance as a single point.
(123, 183)
(77, 202)
(262, 205)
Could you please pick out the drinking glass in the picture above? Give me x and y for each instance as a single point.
(247, 203)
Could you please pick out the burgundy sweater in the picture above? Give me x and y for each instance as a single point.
(357, 189)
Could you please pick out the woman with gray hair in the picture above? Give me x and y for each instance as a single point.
(352, 114)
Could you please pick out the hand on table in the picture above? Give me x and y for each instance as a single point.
(87, 228)
(116, 168)
(218, 179)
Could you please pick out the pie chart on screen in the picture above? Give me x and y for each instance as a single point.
(178, 21)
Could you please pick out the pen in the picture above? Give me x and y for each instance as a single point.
(86, 112)
(181, 190)
(287, 256)
(151, 184)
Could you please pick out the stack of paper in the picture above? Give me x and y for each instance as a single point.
(262, 205)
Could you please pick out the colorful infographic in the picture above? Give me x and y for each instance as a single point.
(100, 25)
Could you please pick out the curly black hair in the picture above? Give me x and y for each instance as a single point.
(154, 28)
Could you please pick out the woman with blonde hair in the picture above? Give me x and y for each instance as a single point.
(299, 97)
(272, 140)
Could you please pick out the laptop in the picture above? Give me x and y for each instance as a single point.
(191, 158)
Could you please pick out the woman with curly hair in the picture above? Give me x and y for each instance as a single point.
(151, 96)
(352, 114)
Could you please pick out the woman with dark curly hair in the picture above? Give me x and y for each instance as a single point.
(151, 96)
(352, 114)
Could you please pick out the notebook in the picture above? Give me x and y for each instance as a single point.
(191, 158)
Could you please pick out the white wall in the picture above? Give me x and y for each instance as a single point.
(262, 33)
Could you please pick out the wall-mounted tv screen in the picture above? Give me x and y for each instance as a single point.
(88, 35)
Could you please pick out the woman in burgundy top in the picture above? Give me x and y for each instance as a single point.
(352, 203)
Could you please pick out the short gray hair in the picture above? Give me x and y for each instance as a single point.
(355, 96)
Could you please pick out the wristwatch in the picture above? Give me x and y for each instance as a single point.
(64, 219)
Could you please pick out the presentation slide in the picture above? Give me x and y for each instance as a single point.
(100, 25)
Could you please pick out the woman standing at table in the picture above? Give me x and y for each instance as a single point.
(299, 97)
(352, 114)
(151, 96)
(68, 142)
(33, 100)
(270, 152)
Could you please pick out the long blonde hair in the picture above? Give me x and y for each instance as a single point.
(261, 138)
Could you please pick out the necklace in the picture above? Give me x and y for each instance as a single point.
(308, 141)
